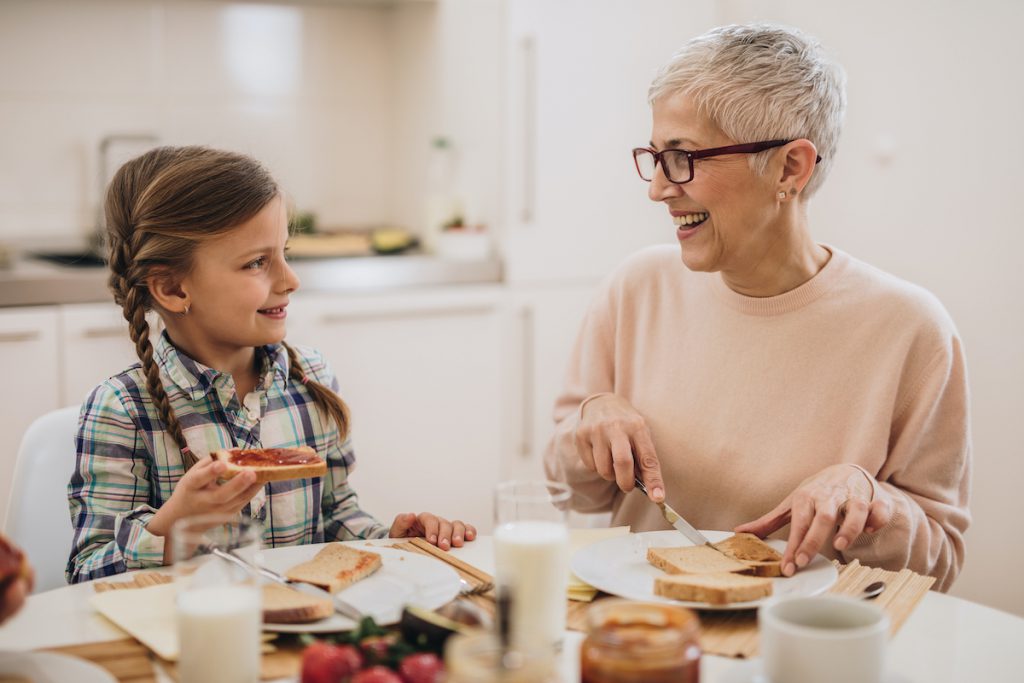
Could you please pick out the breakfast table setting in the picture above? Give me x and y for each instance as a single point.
(933, 637)
(532, 602)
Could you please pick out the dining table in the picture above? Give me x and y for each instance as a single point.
(945, 638)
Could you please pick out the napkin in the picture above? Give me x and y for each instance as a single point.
(146, 613)
(578, 538)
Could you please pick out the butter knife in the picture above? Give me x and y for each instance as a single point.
(341, 606)
(677, 521)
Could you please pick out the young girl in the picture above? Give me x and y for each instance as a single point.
(199, 236)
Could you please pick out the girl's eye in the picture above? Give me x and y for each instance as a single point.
(255, 264)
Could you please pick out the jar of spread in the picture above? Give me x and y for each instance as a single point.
(640, 642)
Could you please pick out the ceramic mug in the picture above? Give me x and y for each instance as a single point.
(823, 638)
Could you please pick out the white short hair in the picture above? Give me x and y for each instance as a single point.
(760, 82)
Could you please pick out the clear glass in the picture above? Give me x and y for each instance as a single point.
(531, 559)
(218, 603)
(640, 642)
(478, 658)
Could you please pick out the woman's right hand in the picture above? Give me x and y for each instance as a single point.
(198, 493)
(612, 439)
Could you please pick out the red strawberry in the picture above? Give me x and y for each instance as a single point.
(326, 663)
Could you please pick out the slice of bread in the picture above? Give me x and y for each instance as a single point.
(716, 589)
(335, 567)
(693, 559)
(272, 464)
(282, 605)
(762, 559)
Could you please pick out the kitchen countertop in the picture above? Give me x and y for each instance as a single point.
(32, 282)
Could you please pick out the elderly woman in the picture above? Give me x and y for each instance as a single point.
(768, 380)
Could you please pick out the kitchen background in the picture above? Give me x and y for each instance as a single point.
(451, 361)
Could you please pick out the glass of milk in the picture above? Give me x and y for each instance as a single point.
(531, 559)
(218, 605)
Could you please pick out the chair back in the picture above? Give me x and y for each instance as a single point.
(38, 518)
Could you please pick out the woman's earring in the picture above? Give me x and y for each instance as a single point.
(781, 195)
(185, 312)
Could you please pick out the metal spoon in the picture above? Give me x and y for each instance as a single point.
(873, 590)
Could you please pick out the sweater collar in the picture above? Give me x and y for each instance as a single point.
(794, 299)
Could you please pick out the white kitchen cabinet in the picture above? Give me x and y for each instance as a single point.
(94, 346)
(421, 372)
(28, 355)
(577, 75)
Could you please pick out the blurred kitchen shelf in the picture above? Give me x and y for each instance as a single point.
(33, 282)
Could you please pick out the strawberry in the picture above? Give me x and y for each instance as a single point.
(326, 663)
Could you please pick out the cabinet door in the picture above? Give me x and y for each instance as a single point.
(94, 346)
(421, 375)
(577, 79)
(28, 364)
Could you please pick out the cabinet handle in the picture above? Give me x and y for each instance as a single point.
(528, 50)
(20, 336)
(405, 314)
(526, 447)
(104, 332)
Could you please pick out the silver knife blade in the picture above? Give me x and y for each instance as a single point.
(677, 521)
(341, 606)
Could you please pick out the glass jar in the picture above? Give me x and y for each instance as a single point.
(477, 658)
(640, 642)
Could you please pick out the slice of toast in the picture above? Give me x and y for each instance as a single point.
(693, 559)
(717, 589)
(272, 464)
(336, 566)
(282, 605)
(762, 559)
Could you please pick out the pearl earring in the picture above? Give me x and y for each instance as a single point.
(781, 195)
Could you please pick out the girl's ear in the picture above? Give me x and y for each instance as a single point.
(168, 293)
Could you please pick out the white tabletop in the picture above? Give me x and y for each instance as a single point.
(945, 639)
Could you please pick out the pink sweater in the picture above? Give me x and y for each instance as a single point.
(745, 397)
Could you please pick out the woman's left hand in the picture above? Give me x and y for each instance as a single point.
(437, 530)
(838, 496)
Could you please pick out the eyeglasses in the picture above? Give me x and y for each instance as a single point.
(677, 164)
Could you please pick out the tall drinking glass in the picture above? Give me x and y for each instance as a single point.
(218, 605)
(531, 546)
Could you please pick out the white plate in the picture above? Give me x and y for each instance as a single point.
(404, 579)
(751, 671)
(50, 667)
(619, 566)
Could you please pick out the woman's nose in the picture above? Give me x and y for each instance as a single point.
(661, 188)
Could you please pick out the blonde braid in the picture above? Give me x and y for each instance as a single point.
(325, 399)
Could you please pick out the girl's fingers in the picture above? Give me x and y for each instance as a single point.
(444, 533)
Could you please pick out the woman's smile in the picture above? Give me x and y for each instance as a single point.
(687, 223)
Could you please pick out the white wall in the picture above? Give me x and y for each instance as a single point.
(339, 99)
(925, 186)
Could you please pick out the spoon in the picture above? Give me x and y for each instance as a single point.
(873, 590)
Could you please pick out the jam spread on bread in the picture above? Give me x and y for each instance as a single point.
(271, 457)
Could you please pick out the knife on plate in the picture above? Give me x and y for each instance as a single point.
(677, 521)
(341, 606)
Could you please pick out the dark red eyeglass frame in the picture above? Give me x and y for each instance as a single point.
(745, 148)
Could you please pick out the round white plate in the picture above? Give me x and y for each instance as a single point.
(50, 667)
(619, 566)
(404, 579)
(751, 671)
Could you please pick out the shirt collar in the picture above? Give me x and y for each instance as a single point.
(197, 380)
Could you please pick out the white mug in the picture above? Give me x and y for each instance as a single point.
(823, 638)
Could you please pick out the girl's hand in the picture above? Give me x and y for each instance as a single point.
(198, 493)
(838, 496)
(612, 439)
(14, 595)
(437, 530)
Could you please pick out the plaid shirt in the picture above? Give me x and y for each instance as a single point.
(127, 465)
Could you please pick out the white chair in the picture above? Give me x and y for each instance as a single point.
(38, 519)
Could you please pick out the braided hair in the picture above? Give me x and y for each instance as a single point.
(159, 208)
